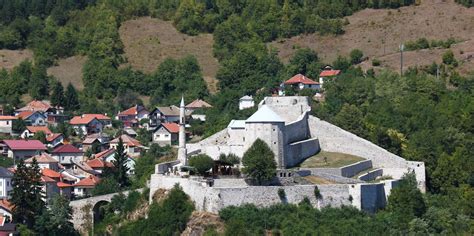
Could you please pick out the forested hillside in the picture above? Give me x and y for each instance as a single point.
(426, 114)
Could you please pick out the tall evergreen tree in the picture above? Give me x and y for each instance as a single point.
(57, 97)
(56, 220)
(71, 100)
(120, 164)
(259, 162)
(27, 194)
(39, 84)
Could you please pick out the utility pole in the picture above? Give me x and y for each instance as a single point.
(402, 47)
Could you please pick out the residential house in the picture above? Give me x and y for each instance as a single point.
(99, 165)
(109, 156)
(6, 124)
(300, 82)
(55, 119)
(40, 106)
(86, 124)
(84, 187)
(166, 115)
(63, 183)
(132, 116)
(106, 121)
(33, 118)
(166, 133)
(197, 107)
(327, 73)
(53, 140)
(99, 141)
(30, 131)
(246, 102)
(21, 149)
(6, 208)
(5, 182)
(130, 132)
(44, 161)
(65, 189)
(50, 187)
(67, 155)
(132, 146)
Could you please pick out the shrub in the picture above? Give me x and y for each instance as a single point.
(448, 58)
(317, 193)
(376, 62)
(201, 163)
(356, 56)
(281, 193)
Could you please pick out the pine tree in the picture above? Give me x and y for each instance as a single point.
(71, 100)
(57, 97)
(120, 164)
(39, 84)
(27, 193)
(259, 162)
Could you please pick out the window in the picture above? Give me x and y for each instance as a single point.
(8, 122)
(8, 183)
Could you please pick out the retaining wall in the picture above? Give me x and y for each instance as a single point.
(300, 151)
(371, 175)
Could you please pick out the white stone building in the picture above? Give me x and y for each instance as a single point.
(5, 182)
(6, 124)
(246, 102)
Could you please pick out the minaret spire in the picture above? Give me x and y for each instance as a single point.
(182, 134)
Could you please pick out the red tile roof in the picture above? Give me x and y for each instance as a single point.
(132, 111)
(328, 73)
(42, 158)
(82, 120)
(34, 129)
(52, 137)
(24, 145)
(63, 185)
(8, 118)
(90, 181)
(25, 114)
(67, 148)
(46, 179)
(131, 142)
(198, 103)
(50, 173)
(6, 204)
(299, 78)
(98, 163)
(171, 127)
(105, 153)
(36, 105)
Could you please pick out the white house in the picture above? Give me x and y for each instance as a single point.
(5, 182)
(67, 155)
(327, 73)
(132, 116)
(30, 131)
(6, 124)
(108, 156)
(246, 102)
(301, 82)
(54, 140)
(86, 124)
(132, 146)
(33, 118)
(21, 149)
(166, 133)
(84, 187)
(44, 161)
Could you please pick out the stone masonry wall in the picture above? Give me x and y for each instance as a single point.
(298, 152)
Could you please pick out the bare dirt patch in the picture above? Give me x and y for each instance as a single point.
(69, 70)
(148, 42)
(12, 58)
(378, 33)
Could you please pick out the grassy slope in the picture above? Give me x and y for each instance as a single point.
(378, 34)
(333, 160)
(12, 58)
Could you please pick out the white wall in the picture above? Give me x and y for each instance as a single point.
(6, 126)
(5, 187)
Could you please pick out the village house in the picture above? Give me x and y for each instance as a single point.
(166, 134)
(67, 155)
(246, 102)
(132, 146)
(99, 165)
(6, 208)
(299, 82)
(33, 118)
(84, 187)
(132, 116)
(98, 141)
(40, 106)
(327, 73)
(44, 161)
(55, 119)
(21, 149)
(108, 156)
(54, 139)
(86, 124)
(5, 182)
(50, 187)
(30, 131)
(168, 114)
(6, 124)
(197, 108)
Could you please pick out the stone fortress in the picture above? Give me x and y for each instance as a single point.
(286, 125)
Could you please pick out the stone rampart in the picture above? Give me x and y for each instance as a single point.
(371, 175)
(299, 151)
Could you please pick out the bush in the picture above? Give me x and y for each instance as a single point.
(201, 163)
(317, 193)
(281, 193)
(356, 56)
(376, 62)
(448, 58)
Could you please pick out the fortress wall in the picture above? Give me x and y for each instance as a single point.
(289, 108)
(215, 150)
(297, 130)
(372, 197)
(371, 175)
(298, 152)
(271, 133)
(353, 169)
(236, 136)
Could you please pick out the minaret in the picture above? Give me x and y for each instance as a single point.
(182, 135)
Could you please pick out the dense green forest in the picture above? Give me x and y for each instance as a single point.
(417, 115)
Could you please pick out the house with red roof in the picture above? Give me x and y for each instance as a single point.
(21, 149)
(44, 161)
(55, 139)
(132, 146)
(301, 82)
(30, 131)
(6, 208)
(43, 106)
(33, 118)
(166, 133)
(6, 124)
(50, 187)
(86, 124)
(108, 156)
(99, 164)
(67, 155)
(327, 73)
(84, 187)
(197, 107)
(132, 116)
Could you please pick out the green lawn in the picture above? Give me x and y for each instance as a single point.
(330, 160)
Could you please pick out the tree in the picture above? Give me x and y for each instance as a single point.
(71, 100)
(351, 119)
(56, 220)
(448, 58)
(356, 56)
(39, 84)
(57, 97)
(120, 165)
(18, 125)
(105, 186)
(41, 136)
(202, 163)
(259, 162)
(27, 194)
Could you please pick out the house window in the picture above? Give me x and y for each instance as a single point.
(8, 122)
(8, 183)
(166, 135)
